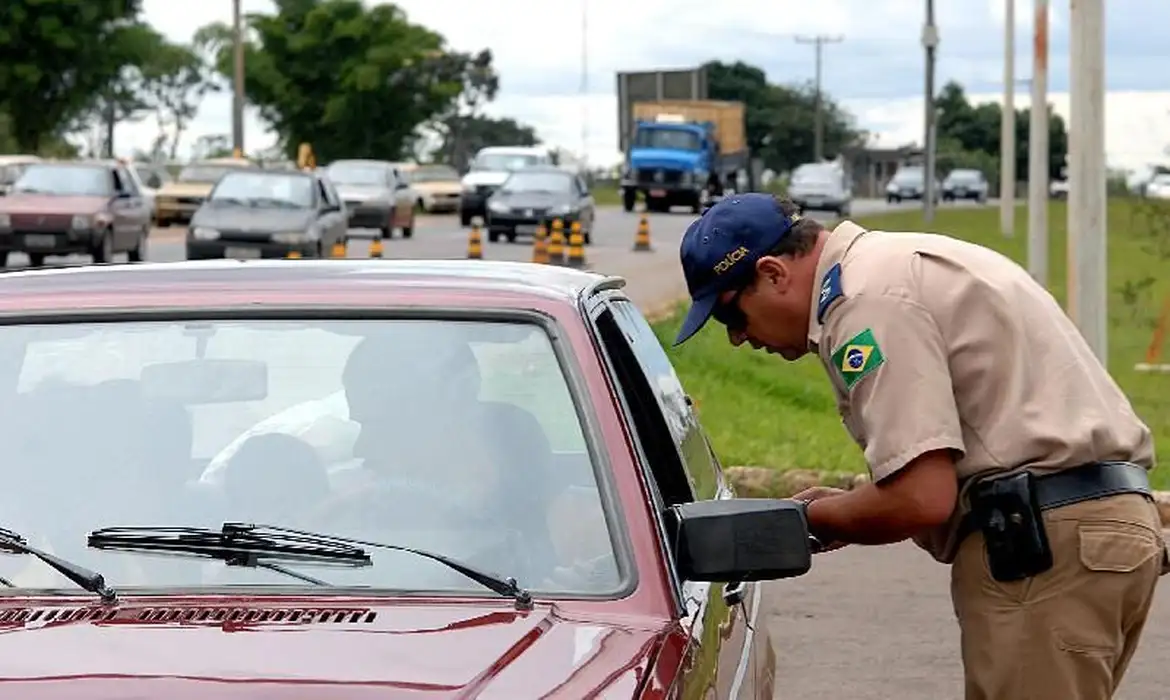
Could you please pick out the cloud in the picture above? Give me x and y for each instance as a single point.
(877, 70)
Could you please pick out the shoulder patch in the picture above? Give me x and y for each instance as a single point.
(830, 291)
(858, 357)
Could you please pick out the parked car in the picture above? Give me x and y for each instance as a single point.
(1158, 187)
(504, 490)
(964, 183)
(11, 167)
(490, 167)
(539, 195)
(377, 195)
(65, 207)
(821, 186)
(437, 187)
(176, 202)
(268, 214)
(909, 183)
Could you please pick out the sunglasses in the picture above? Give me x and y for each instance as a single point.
(729, 314)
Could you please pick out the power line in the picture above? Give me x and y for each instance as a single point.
(818, 43)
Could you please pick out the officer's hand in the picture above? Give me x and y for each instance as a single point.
(816, 493)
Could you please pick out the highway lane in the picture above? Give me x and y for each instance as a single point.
(654, 278)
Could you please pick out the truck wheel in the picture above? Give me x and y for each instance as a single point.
(629, 198)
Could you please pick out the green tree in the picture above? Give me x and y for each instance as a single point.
(461, 126)
(977, 129)
(780, 119)
(350, 80)
(56, 56)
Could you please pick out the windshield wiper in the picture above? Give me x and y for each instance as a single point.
(246, 544)
(15, 543)
(235, 544)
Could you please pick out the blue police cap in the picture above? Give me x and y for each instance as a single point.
(719, 251)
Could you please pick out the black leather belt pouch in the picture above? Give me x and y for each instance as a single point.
(1006, 510)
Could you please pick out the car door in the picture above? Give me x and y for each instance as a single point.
(403, 202)
(140, 210)
(334, 220)
(680, 467)
(123, 209)
(586, 204)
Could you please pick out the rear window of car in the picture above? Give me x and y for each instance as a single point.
(457, 437)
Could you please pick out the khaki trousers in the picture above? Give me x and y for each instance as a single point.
(1069, 633)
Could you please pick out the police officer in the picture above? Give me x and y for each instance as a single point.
(994, 437)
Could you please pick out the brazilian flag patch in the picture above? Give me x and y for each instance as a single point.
(859, 356)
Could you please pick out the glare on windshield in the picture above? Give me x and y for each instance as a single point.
(538, 182)
(64, 179)
(346, 174)
(496, 161)
(294, 189)
(459, 437)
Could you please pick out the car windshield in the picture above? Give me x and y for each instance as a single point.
(667, 138)
(814, 176)
(458, 437)
(292, 189)
(65, 179)
(554, 183)
(909, 175)
(435, 174)
(505, 161)
(965, 177)
(205, 173)
(11, 172)
(357, 174)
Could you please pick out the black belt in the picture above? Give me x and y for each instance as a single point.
(1079, 484)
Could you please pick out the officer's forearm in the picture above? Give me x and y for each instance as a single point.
(861, 516)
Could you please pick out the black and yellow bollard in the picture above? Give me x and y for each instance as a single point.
(338, 250)
(293, 255)
(556, 244)
(540, 245)
(642, 237)
(576, 257)
(376, 248)
(475, 242)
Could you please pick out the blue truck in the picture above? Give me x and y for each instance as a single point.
(681, 152)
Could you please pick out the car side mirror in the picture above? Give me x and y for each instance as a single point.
(154, 182)
(400, 185)
(742, 539)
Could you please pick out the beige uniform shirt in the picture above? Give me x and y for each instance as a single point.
(935, 343)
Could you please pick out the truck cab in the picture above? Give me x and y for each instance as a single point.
(679, 153)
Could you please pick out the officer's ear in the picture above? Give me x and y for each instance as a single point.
(775, 271)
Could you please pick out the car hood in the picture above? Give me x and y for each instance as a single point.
(186, 189)
(531, 200)
(670, 158)
(449, 187)
(495, 178)
(256, 219)
(20, 203)
(361, 193)
(320, 648)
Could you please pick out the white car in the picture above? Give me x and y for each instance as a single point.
(821, 186)
(1159, 187)
(490, 167)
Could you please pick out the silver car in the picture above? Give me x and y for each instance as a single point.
(376, 195)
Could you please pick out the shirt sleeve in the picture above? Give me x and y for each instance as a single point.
(888, 357)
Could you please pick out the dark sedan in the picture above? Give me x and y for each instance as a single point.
(539, 195)
(268, 214)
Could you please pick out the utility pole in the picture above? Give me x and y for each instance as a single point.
(818, 43)
(584, 83)
(1087, 250)
(237, 82)
(1038, 148)
(930, 44)
(1007, 126)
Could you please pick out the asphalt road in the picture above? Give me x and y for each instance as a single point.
(867, 623)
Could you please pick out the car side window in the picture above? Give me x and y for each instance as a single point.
(117, 183)
(323, 200)
(332, 199)
(685, 468)
(128, 183)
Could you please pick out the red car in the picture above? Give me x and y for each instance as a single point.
(365, 479)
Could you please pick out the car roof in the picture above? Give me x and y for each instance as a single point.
(87, 163)
(293, 283)
(363, 161)
(545, 169)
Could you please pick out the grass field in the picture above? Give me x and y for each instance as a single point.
(762, 411)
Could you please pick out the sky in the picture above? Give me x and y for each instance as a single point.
(557, 60)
